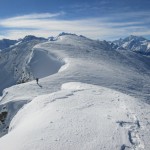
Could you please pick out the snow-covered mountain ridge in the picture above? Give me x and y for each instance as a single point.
(89, 96)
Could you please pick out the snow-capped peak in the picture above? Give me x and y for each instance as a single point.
(135, 38)
(31, 37)
(65, 33)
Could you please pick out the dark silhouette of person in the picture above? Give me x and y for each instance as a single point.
(37, 80)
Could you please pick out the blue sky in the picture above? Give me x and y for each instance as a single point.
(97, 19)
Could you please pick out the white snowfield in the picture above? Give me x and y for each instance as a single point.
(89, 97)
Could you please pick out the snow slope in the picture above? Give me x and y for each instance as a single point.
(96, 98)
(79, 116)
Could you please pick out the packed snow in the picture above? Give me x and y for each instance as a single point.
(93, 97)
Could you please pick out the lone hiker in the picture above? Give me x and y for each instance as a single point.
(37, 80)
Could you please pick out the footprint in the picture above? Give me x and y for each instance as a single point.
(133, 135)
(123, 147)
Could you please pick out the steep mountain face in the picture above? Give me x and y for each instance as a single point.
(5, 43)
(134, 43)
(14, 62)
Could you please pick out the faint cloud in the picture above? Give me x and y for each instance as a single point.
(38, 16)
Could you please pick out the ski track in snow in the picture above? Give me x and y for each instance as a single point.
(77, 115)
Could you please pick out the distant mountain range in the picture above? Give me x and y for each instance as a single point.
(137, 44)
(5, 43)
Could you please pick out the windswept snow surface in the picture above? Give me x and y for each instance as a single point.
(98, 100)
